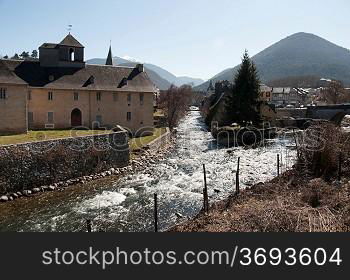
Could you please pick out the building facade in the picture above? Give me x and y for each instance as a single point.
(265, 93)
(284, 96)
(60, 91)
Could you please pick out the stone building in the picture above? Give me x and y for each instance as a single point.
(60, 91)
(265, 93)
(284, 96)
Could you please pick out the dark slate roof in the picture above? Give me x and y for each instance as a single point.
(48, 46)
(7, 76)
(71, 42)
(92, 77)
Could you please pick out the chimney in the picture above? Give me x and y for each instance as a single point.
(140, 68)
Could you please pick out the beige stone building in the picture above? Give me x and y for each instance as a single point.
(60, 91)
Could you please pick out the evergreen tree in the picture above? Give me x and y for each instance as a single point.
(210, 87)
(34, 54)
(24, 55)
(16, 56)
(243, 101)
(6, 57)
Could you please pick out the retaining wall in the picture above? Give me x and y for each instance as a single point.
(28, 165)
(160, 142)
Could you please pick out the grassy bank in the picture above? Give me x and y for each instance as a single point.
(138, 143)
(42, 135)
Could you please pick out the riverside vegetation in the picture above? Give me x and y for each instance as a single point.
(312, 197)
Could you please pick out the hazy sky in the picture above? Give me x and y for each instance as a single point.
(198, 38)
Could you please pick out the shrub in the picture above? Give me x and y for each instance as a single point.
(318, 149)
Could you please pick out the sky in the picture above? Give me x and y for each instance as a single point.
(196, 38)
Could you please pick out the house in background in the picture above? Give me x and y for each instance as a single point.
(265, 93)
(284, 96)
(60, 91)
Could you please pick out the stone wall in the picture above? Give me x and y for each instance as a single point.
(25, 166)
(291, 113)
(160, 142)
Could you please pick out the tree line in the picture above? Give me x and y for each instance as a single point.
(23, 55)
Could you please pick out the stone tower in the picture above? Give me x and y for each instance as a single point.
(69, 53)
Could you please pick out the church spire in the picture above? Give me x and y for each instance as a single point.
(109, 60)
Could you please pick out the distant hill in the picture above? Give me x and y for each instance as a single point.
(301, 54)
(156, 79)
(160, 77)
(189, 81)
(161, 83)
(297, 81)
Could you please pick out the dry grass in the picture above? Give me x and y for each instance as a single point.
(285, 204)
(158, 113)
(320, 148)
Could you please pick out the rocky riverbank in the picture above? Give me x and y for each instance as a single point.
(140, 159)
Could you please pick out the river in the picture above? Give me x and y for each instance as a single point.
(126, 203)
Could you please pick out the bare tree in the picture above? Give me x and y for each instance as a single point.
(334, 93)
(175, 102)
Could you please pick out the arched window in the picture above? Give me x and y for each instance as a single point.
(71, 55)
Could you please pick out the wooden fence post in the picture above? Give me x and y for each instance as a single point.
(205, 192)
(88, 226)
(155, 213)
(339, 166)
(237, 176)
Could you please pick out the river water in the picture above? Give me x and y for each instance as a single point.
(126, 203)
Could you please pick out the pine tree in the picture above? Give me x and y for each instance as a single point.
(24, 55)
(243, 101)
(210, 87)
(34, 54)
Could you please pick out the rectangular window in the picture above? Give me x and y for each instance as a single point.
(3, 93)
(98, 96)
(50, 95)
(99, 120)
(128, 116)
(29, 95)
(76, 96)
(115, 96)
(129, 97)
(30, 118)
(50, 117)
(141, 98)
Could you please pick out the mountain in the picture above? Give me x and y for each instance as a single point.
(301, 54)
(101, 61)
(177, 81)
(160, 77)
(160, 82)
(184, 80)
